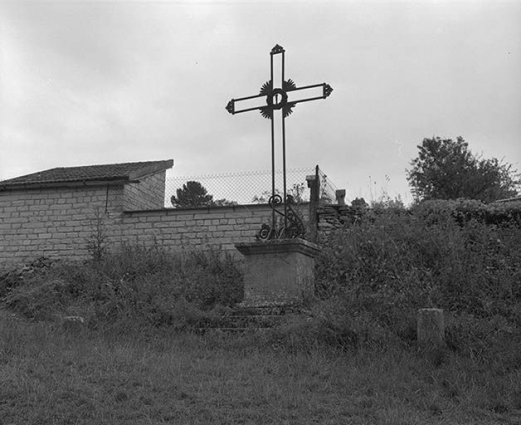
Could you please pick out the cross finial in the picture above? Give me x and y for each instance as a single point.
(277, 49)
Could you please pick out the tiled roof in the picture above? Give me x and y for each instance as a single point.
(87, 174)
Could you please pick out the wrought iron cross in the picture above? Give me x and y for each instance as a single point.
(282, 98)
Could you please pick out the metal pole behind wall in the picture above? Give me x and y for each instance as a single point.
(314, 197)
(317, 193)
(273, 216)
(284, 199)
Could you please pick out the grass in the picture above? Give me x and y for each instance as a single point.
(156, 376)
(351, 359)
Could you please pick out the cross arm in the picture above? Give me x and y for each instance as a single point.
(326, 91)
(232, 109)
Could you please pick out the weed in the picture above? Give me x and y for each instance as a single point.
(351, 359)
(97, 243)
(387, 265)
(134, 284)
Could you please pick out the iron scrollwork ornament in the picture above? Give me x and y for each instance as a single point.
(270, 93)
(294, 229)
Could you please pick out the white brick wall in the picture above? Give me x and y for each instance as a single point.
(58, 222)
(53, 223)
(148, 194)
(219, 228)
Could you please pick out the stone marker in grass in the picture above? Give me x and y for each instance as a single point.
(431, 333)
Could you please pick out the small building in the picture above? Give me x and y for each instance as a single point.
(53, 212)
(65, 213)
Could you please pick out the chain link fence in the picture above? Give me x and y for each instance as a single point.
(250, 187)
(327, 188)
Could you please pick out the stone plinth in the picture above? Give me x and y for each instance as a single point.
(278, 272)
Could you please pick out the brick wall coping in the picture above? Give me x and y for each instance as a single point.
(234, 208)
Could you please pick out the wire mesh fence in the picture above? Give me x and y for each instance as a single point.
(250, 187)
(327, 188)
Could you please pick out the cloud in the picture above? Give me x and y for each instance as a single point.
(98, 82)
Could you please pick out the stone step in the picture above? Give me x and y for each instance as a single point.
(233, 331)
(250, 321)
(267, 310)
(251, 318)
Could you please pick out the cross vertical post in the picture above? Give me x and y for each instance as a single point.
(285, 97)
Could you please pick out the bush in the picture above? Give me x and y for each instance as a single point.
(390, 264)
(371, 278)
(465, 210)
(136, 284)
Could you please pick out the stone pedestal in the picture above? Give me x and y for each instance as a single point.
(278, 272)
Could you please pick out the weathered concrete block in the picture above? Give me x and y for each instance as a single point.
(255, 220)
(431, 328)
(233, 233)
(234, 214)
(73, 323)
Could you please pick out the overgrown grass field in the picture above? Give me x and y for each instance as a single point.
(350, 359)
(154, 377)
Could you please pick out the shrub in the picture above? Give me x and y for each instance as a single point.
(464, 210)
(390, 263)
(135, 283)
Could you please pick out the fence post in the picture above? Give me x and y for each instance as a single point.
(314, 197)
(340, 196)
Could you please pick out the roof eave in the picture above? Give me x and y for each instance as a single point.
(156, 167)
(146, 169)
(119, 181)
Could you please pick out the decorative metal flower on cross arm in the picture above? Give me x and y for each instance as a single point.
(283, 98)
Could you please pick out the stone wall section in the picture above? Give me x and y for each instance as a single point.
(148, 194)
(54, 223)
(333, 216)
(199, 228)
(60, 222)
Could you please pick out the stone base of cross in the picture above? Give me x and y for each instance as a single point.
(273, 98)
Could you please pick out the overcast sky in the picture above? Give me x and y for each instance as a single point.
(96, 82)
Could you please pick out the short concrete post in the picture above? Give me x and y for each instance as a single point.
(73, 323)
(431, 328)
(314, 199)
(431, 334)
(340, 195)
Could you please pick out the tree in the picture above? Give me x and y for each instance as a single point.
(359, 204)
(386, 202)
(223, 203)
(297, 193)
(447, 169)
(192, 194)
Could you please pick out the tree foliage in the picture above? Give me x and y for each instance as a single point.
(297, 193)
(447, 169)
(192, 194)
(359, 203)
